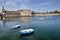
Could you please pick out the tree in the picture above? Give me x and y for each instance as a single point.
(56, 11)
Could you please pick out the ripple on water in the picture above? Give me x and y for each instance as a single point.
(47, 29)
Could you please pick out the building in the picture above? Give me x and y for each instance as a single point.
(12, 14)
(25, 12)
(16, 13)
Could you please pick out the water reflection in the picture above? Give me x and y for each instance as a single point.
(4, 22)
(25, 22)
(25, 19)
(12, 19)
(47, 29)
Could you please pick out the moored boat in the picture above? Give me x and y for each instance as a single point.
(26, 31)
(16, 26)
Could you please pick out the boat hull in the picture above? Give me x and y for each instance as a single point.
(27, 31)
(16, 26)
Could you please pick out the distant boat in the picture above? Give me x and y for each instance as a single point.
(16, 26)
(26, 31)
(41, 18)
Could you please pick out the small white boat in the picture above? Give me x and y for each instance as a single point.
(26, 31)
(41, 18)
(16, 26)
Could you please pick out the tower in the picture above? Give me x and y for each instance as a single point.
(3, 13)
(3, 10)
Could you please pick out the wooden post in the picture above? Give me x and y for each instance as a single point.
(1, 17)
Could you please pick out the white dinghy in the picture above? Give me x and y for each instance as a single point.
(26, 31)
(16, 26)
(41, 18)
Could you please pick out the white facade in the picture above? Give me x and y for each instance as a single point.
(25, 13)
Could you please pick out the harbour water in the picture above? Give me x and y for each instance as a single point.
(46, 28)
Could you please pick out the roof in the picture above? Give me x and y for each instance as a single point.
(24, 10)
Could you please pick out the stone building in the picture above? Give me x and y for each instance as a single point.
(12, 14)
(17, 13)
(25, 12)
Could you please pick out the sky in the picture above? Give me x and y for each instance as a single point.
(34, 5)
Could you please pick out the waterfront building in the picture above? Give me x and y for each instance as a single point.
(25, 12)
(16, 13)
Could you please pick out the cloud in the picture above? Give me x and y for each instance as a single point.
(25, 1)
(15, 4)
(10, 3)
(24, 4)
(43, 4)
(46, 3)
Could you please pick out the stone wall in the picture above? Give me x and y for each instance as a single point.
(46, 14)
(11, 14)
(25, 12)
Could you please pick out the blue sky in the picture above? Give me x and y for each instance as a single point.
(35, 5)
